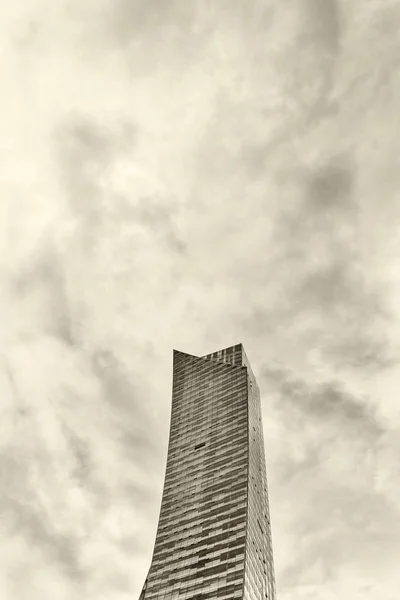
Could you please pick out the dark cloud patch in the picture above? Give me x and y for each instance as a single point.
(21, 407)
(85, 150)
(86, 140)
(85, 147)
(332, 186)
(331, 398)
(133, 546)
(327, 203)
(134, 428)
(328, 402)
(318, 271)
(142, 496)
(134, 19)
(131, 419)
(323, 25)
(159, 217)
(84, 471)
(44, 275)
(35, 527)
(325, 22)
(13, 473)
(171, 23)
(83, 459)
(365, 354)
(329, 285)
(318, 49)
(24, 517)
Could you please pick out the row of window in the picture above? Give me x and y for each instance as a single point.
(220, 391)
(183, 416)
(198, 394)
(207, 466)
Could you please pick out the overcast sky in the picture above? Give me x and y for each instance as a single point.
(190, 175)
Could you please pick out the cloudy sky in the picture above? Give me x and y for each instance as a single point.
(192, 175)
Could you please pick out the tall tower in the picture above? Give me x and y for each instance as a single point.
(214, 535)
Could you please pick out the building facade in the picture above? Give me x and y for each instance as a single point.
(214, 536)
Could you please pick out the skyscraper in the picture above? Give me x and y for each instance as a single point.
(214, 536)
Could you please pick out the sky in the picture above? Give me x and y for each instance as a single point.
(192, 175)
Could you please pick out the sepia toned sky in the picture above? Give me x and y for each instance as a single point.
(192, 175)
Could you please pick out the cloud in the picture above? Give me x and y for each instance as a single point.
(331, 186)
(318, 271)
(124, 395)
(60, 489)
(332, 465)
(355, 588)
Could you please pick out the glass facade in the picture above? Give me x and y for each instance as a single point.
(213, 538)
